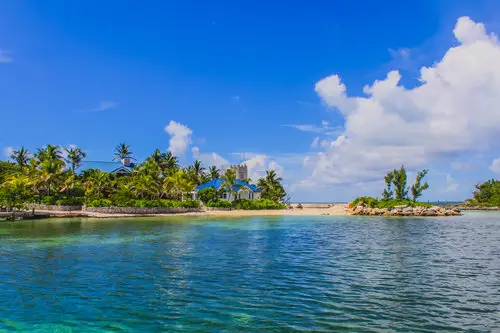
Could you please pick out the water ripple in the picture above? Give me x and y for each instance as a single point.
(275, 274)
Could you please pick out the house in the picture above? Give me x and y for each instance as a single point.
(241, 190)
(123, 167)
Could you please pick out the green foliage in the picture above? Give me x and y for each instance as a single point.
(257, 204)
(418, 187)
(219, 204)
(100, 203)
(247, 204)
(390, 203)
(208, 195)
(487, 194)
(144, 203)
(271, 187)
(73, 201)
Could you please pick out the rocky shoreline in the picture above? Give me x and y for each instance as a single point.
(362, 209)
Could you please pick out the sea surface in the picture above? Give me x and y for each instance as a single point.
(255, 274)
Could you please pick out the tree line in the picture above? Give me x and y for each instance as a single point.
(49, 176)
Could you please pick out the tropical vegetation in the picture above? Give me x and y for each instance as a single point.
(396, 191)
(51, 176)
(487, 194)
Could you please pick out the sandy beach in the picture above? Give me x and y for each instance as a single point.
(308, 209)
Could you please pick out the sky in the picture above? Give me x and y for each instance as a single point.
(330, 94)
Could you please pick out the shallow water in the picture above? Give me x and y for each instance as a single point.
(258, 274)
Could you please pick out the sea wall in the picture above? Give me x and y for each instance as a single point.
(404, 211)
(53, 207)
(139, 210)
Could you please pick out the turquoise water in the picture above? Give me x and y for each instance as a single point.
(259, 274)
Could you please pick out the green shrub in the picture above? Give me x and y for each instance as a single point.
(48, 200)
(219, 204)
(100, 203)
(73, 201)
(208, 195)
(387, 203)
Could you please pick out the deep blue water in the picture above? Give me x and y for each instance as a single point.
(269, 274)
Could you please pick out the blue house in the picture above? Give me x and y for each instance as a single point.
(241, 190)
(123, 167)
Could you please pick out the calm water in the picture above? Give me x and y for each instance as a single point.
(274, 274)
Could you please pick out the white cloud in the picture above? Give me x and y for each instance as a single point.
(5, 56)
(315, 142)
(106, 105)
(7, 151)
(495, 165)
(451, 185)
(180, 137)
(209, 159)
(324, 129)
(259, 164)
(453, 111)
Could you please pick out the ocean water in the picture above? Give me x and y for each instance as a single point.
(256, 274)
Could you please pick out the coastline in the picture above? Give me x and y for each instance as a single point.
(337, 210)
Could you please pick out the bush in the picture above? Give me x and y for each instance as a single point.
(387, 203)
(48, 200)
(219, 204)
(208, 195)
(100, 203)
(73, 201)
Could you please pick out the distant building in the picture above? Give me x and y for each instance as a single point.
(241, 190)
(123, 167)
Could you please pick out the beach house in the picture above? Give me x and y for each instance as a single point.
(241, 189)
(123, 167)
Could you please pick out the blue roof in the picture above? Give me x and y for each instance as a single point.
(216, 183)
(103, 166)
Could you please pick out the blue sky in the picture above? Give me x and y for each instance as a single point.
(240, 82)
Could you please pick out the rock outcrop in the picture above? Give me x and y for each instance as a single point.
(404, 211)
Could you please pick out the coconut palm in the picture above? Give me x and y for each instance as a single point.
(123, 151)
(74, 157)
(271, 186)
(146, 180)
(49, 168)
(229, 182)
(97, 183)
(21, 156)
(197, 172)
(178, 184)
(214, 172)
(171, 163)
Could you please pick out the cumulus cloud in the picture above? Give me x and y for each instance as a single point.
(209, 159)
(454, 110)
(495, 165)
(5, 56)
(259, 164)
(180, 137)
(7, 151)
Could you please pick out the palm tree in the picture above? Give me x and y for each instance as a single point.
(146, 181)
(171, 163)
(21, 156)
(97, 183)
(178, 184)
(197, 172)
(271, 186)
(49, 167)
(123, 151)
(229, 182)
(74, 157)
(214, 172)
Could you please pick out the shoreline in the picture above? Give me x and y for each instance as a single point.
(336, 210)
